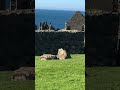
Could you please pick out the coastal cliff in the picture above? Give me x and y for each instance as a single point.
(76, 22)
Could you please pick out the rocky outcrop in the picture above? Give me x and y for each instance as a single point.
(46, 26)
(24, 73)
(76, 22)
(62, 54)
(48, 57)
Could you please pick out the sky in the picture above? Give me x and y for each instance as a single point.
(74, 5)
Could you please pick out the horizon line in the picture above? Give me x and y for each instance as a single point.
(60, 9)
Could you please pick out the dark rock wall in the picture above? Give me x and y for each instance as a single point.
(17, 40)
(99, 4)
(21, 4)
(50, 42)
(2, 4)
(26, 4)
(101, 39)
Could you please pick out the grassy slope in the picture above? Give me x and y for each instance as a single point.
(61, 74)
(7, 84)
(103, 78)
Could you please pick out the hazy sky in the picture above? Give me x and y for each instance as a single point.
(78, 5)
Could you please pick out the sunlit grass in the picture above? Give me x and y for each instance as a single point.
(66, 74)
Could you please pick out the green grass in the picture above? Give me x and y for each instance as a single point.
(17, 85)
(103, 78)
(5, 75)
(60, 74)
(7, 84)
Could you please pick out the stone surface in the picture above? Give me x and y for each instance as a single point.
(24, 73)
(48, 57)
(61, 54)
(76, 22)
(43, 58)
(46, 26)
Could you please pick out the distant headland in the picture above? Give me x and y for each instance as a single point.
(75, 24)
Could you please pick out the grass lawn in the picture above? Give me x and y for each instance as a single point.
(103, 78)
(7, 84)
(60, 74)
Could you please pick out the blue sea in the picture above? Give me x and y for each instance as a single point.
(56, 17)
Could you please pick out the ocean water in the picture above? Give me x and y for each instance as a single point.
(56, 17)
